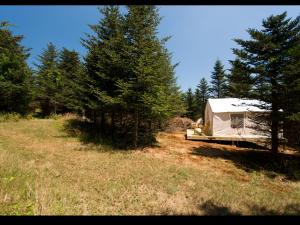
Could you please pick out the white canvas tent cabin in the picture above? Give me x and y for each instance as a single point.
(229, 119)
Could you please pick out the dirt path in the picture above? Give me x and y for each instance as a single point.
(221, 158)
(174, 147)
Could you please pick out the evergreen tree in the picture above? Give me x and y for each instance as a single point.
(267, 56)
(130, 75)
(218, 80)
(72, 82)
(15, 75)
(291, 104)
(190, 104)
(48, 81)
(203, 88)
(104, 62)
(239, 80)
(197, 104)
(149, 89)
(292, 84)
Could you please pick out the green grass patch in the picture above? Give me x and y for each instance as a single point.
(46, 170)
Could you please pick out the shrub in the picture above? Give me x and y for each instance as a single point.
(54, 116)
(10, 117)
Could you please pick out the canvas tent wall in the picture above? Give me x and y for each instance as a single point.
(232, 117)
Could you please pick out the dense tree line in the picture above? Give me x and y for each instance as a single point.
(126, 83)
(59, 81)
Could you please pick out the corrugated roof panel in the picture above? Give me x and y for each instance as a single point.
(219, 105)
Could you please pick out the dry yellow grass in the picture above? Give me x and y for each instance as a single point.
(44, 171)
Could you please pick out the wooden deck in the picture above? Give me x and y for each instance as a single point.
(191, 134)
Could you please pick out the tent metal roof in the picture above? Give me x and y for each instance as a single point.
(219, 105)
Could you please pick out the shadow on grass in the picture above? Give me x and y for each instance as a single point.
(257, 160)
(241, 144)
(90, 133)
(211, 208)
(290, 209)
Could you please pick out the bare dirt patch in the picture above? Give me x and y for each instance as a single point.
(174, 145)
(225, 158)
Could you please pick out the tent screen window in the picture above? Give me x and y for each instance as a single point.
(237, 120)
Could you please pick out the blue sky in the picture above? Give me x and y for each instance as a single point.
(200, 34)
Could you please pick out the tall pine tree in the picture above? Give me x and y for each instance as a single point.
(72, 74)
(130, 76)
(239, 80)
(48, 81)
(104, 63)
(291, 105)
(197, 104)
(190, 103)
(15, 75)
(149, 89)
(203, 88)
(267, 56)
(218, 80)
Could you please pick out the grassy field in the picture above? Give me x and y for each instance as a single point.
(45, 170)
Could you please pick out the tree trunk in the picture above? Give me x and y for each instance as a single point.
(274, 118)
(136, 129)
(274, 132)
(159, 124)
(203, 110)
(113, 125)
(102, 120)
(55, 108)
(94, 117)
(150, 125)
(83, 114)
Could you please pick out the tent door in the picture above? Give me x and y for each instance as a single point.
(237, 123)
